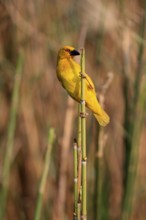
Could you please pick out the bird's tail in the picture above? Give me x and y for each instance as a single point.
(102, 118)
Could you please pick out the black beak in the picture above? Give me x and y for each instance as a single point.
(74, 53)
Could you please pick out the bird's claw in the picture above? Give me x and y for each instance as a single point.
(82, 75)
(83, 114)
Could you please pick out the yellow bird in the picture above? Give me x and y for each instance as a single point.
(68, 73)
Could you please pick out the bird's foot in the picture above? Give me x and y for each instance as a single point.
(83, 114)
(82, 75)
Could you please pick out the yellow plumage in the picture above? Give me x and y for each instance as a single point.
(68, 73)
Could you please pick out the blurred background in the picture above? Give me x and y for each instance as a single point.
(32, 101)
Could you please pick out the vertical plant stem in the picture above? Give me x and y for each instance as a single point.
(51, 137)
(79, 211)
(75, 181)
(83, 138)
(99, 176)
(79, 154)
(10, 137)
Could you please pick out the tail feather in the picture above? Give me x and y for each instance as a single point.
(103, 119)
(100, 115)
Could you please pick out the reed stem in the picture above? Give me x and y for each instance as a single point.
(75, 181)
(10, 137)
(79, 154)
(79, 211)
(83, 138)
(99, 178)
(51, 137)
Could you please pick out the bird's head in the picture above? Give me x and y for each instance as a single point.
(67, 52)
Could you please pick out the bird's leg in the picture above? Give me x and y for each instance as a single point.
(84, 76)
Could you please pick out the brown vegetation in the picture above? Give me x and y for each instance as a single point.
(114, 36)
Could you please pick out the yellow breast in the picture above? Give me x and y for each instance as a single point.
(69, 76)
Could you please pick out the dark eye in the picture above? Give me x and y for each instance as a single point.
(67, 50)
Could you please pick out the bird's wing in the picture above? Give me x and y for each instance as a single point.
(89, 82)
